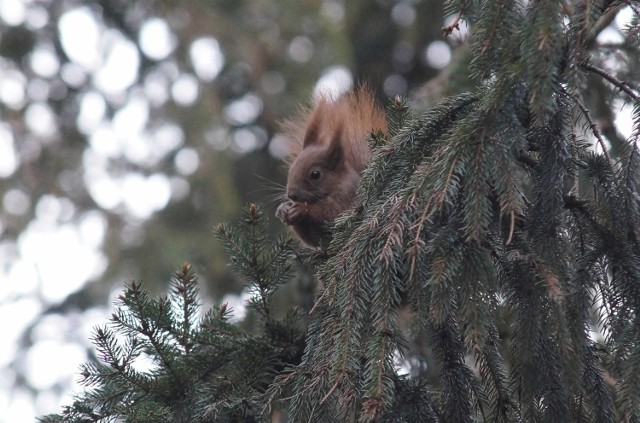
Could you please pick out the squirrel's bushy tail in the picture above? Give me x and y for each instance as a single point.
(354, 115)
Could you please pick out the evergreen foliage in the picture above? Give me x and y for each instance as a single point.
(162, 361)
(490, 213)
(491, 240)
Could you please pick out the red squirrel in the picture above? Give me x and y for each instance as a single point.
(329, 150)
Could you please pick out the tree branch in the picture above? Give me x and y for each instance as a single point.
(623, 86)
(592, 125)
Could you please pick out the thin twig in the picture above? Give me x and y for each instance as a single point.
(454, 25)
(615, 81)
(592, 125)
(333, 388)
(511, 227)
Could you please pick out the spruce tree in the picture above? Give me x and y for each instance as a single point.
(494, 245)
(165, 360)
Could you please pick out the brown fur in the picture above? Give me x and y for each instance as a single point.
(329, 151)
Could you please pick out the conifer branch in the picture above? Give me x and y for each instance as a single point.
(621, 85)
(397, 115)
(209, 369)
(185, 292)
(152, 326)
(592, 125)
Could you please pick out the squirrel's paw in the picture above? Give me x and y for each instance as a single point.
(283, 211)
(297, 211)
(290, 212)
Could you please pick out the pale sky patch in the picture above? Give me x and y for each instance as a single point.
(156, 39)
(12, 87)
(207, 58)
(104, 142)
(8, 156)
(132, 118)
(39, 370)
(21, 313)
(624, 118)
(120, 69)
(185, 90)
(403, 14)
(13, 12)
(301, 49)
(41, 120)
(145, 195)
(20, 406)
(16, 202)
(245, 140)
(335, 81)
(167, 137)
(438, 54)
(624, 17)
(92, 111)
(62, 260)
(610, 35)
(80, 37)
(104, 190)
(73, 75)
(187, 161)
(237, 304)
(244, 110)
(37, 17)
(44, 61)
(139, 148)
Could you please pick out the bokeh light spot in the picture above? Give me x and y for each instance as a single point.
(80, 37)
(187, 161)
(156, 39)
(8, 156)
(16, 201)
(185, 90)
(438, 54)
(207, 58)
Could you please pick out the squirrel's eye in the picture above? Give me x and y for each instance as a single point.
(315, 174)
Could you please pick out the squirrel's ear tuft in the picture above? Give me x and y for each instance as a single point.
(335, 155)
(312, 134)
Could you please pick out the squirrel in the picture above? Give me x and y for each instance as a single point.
(328, 151)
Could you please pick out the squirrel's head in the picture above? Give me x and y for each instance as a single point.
(328, 147)
(320, 169)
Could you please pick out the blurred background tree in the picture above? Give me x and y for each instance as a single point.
(128, 130)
